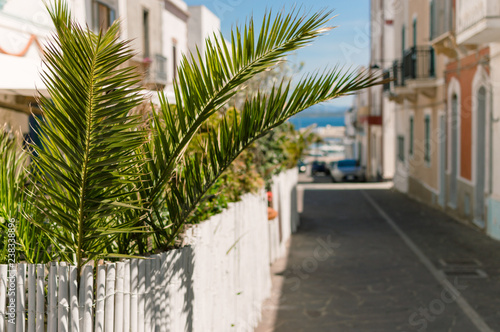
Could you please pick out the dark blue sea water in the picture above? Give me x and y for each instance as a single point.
(321, 121)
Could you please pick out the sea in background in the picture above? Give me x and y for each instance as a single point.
(322, 115)
(320, 121)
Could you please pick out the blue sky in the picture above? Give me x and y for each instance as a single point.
(348, 44)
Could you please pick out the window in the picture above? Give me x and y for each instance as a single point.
(348, 163)
(432, 20)
(161, 67)
(105, 16)
(403, 40)
(145, 31)
(174, 59)
(428, 138)
(401, 148)
(411, 135)
(415, 31)
(33, 136)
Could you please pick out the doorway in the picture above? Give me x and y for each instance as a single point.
(454, 152)
(480, 156)
(442, 160)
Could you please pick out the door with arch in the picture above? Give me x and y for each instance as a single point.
(454, 151)
(480, 147)
(442, 160)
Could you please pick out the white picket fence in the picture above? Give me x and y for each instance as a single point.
(217, 282)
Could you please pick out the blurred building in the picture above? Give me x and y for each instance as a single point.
(161, 31)
(371, 121)
(381, 135)
(447, 106)
(357, 127)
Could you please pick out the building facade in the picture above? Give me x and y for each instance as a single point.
(376, 122)
(357, 127)
(473, 93)
(158, 30)
(448, 106)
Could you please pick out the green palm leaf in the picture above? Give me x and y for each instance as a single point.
(235, 133)
(89, 142)
(30, 244)
(205, 85)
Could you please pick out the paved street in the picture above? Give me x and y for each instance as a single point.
(370, 259)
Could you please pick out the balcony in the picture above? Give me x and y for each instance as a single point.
(418, 63)
(415, 73)
(441, 18)
(156, 73)
(397, 73)
(442, 31)
(398, 89)
(478, 22)
(387, 76)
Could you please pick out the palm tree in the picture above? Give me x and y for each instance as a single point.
(101, 173)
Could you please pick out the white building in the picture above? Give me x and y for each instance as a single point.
(380, 123)
(477, 27)
(161, 31)
(174, 38)
(202, 24)
(24, 28)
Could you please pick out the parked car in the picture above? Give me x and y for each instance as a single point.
(332, 165)
(319, 167)
(302, 166)
(347, 170)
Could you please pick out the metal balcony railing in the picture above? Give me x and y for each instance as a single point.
(441, 17)
(387, 76)
(156, 71)
(418, 63)
(397, 73)
(161, 67)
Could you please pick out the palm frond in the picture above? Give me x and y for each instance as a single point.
(205, 85)
(89, 142)
(235, 133)
(31, 246)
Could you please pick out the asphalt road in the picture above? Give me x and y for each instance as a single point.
(367, 258)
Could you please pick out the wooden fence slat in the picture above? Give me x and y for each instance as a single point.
(126, 297)
(151, 294)
(62, 299)
(100, 295)
(134, 297)
(109, 303)
(40, 298)
(169, 294)
(3, 295)
(86, 297)
(174, 292)
(141, 287)
(163, 287)
(157, 290)
(31, 297)
(74, 322)
(81, 299)
(52, 299)
(118, 319)
(11, 287)
(147, 297)
(21, 298)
